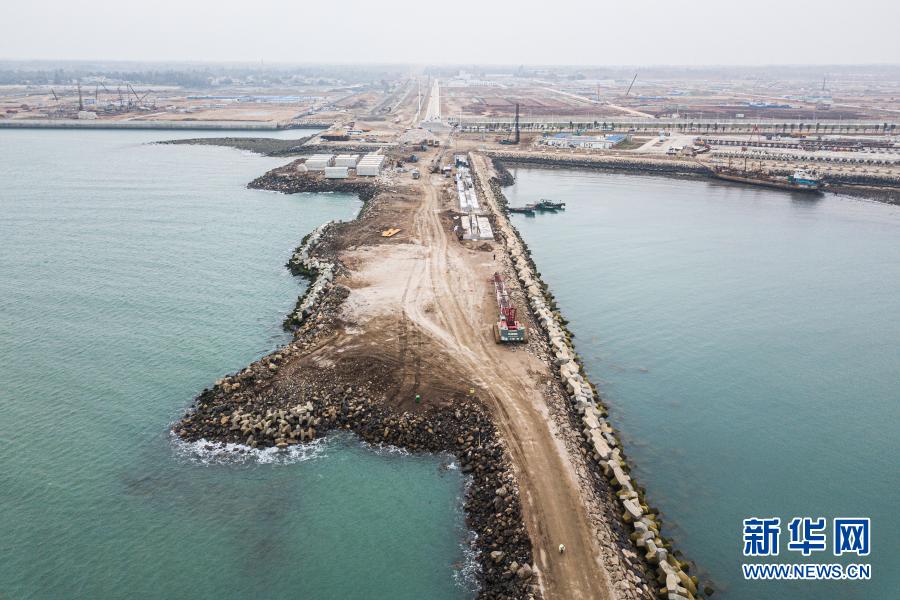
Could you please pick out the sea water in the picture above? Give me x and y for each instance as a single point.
(133, 275)
(748, 343)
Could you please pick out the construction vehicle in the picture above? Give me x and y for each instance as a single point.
(515, 140)
(507, 328)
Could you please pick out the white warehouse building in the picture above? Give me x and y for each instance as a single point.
(318, 162)
(346, 160)
(566, 140)
(370, 165)
(336, 173)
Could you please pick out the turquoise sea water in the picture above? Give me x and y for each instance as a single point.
(131, 277)
(748, 343)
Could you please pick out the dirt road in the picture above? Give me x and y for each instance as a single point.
(445, 295)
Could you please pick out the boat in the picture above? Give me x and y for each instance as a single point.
(525, 210)
(801, 180)
(545, 204)
(542, 206)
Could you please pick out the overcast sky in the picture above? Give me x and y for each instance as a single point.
(629, 32)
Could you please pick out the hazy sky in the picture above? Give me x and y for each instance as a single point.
(689, 32)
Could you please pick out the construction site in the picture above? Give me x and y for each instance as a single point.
(432, 293)
(426, 324)
(841, 124)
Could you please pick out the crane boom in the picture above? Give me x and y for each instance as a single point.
(628, 91)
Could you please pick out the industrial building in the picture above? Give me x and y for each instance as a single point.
(567, 140)
(370, 165)
(318, 162)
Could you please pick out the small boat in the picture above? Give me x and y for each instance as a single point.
(525, 210)
(545, 204)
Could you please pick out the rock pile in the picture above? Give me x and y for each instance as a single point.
(261, 145)
(598, 435)
(619, 163)
(289, 180)
(243, 409)
(320, 273)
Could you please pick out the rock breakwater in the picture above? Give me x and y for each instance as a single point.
(609, 162)
(319, 272)
(589, 415)
(260, 409)
(289, 180)
(260, 145)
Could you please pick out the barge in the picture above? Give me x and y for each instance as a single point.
(800, 180)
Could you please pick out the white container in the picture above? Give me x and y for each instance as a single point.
(370, 165)
(318, 162)
(346, 160)
(336, 173)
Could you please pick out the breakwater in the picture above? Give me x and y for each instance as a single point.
(263, 146)
(289, 397)
(289, 180)
(589, 416)
(319, 272)
(873, 186)
(275, 146)
(611, 162)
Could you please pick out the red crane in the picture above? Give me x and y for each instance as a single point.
(507, 328)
